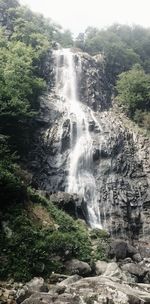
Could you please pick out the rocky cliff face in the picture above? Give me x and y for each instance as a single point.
(120, 153)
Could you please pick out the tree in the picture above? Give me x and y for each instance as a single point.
(18, 82)
(80, 41)
(119, 56)
(119, 59)
(8, 10)
(64, 38)
(133, 89)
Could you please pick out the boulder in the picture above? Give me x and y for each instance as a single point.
(137, 257)
(147, 278)
(71, 279)
(125, 261)
(121, 249)
(144, 249)
(94, 290)
(136, 270)
(75, 266)
(100, 267)
(57, 278)
(35, 285)
(113, 270)
(56, 298)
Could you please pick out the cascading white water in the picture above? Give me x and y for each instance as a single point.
(80, 179)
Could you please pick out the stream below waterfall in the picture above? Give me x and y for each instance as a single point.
(81, 179)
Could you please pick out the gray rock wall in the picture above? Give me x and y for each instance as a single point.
(120, 154)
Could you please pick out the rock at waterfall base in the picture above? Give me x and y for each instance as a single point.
(75, 266)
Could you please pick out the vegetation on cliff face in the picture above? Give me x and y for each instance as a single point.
(133, 89)
(37, 238)
(28, 246)
(123, 47)
(25, 50)
(25, 40)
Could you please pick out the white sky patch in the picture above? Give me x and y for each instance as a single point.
(77, 15)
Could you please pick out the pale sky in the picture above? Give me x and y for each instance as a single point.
(77, 15)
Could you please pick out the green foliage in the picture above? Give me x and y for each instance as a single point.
(29, 248)
(125, 49)
(19, 86)
(137, 38)
(66, 224)
(64, 38)
(101, 239)
(25, 54)
(25, 40)
(9, 3)
(121, 45)
(99, 234)
(101, 252)
(142, 118)
(118, 59)
(12, 188)
(33, 249)
(133, 86)
(133, 89)
(80, 41)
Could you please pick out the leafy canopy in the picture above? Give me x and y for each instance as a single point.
(133, 89)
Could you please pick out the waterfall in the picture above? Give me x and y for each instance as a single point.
(80, 162)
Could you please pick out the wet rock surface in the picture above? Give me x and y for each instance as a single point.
(120, 155)
(94, 88)
(71, 203)
(122, 249)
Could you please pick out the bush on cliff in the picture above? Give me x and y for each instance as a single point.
(133, 89)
